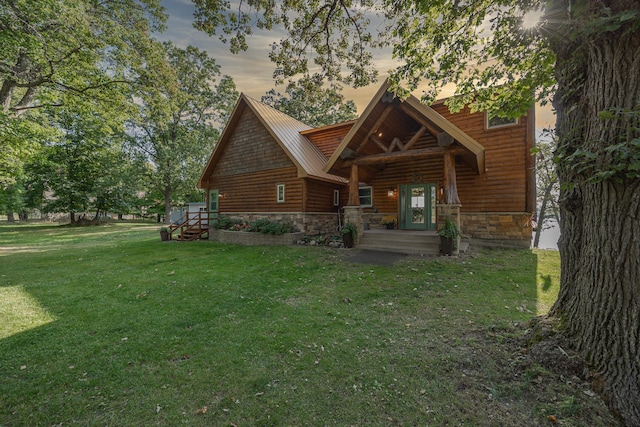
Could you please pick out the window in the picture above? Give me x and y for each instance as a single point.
(366, 196)
(498, 122)
(336, 197)
(280, 193)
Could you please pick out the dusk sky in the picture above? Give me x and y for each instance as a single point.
(252, 70)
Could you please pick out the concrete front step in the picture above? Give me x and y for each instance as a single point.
(402, 241)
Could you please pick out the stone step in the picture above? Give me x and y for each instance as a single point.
(407, 242)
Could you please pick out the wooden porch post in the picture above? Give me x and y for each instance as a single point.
(450, 185)
(353, 211)
(354, 197)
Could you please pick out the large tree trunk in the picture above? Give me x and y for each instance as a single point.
(599, 298)
(167, 206)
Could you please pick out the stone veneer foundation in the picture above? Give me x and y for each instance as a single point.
(498, 228)
(308, 223)
(504, 229)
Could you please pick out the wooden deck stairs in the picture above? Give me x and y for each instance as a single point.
(191, 226)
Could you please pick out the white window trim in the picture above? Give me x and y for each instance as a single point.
(280, 191)
(370, 188)
(487, 125)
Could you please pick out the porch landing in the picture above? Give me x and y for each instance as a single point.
(409, 242)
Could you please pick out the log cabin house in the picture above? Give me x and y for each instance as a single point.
(401, 158)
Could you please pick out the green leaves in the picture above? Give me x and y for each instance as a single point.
(332, 37)
(610, 21)
(179, 112)
(477, 47)
(309, 101)
(80, 55)
(52, 50)
(618, 161)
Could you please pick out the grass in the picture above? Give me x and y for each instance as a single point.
(109, 326)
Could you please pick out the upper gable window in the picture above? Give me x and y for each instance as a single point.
(499, 122)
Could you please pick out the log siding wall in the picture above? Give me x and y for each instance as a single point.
(503, 186)
(256, 192)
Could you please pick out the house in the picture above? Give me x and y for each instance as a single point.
(189, 212)
(401, 158)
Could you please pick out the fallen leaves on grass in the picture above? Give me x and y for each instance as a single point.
(202, 410)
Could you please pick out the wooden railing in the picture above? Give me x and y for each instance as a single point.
(191, 226)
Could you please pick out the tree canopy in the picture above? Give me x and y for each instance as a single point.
(176, 125)
(53, 50)
(309, 101)
(482, 46)
(78, 54)
(76, 78)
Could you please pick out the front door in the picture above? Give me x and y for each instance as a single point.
(214, 200)
(418, 206)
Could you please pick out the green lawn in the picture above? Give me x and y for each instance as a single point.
(110, 326)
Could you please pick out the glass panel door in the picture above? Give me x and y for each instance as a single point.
(414, 216)
(418, 207)
(214, 198)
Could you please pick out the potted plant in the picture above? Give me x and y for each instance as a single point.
(164, 234)
(349, 232)
(449, 237)
(389, 221)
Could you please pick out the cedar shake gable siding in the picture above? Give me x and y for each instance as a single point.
(285, 131)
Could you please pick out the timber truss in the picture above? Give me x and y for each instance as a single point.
(394, 130)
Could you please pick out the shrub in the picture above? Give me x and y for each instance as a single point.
(266, 226)
(263, 225)
(228, 223)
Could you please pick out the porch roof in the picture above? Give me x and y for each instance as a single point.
(390, 130)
